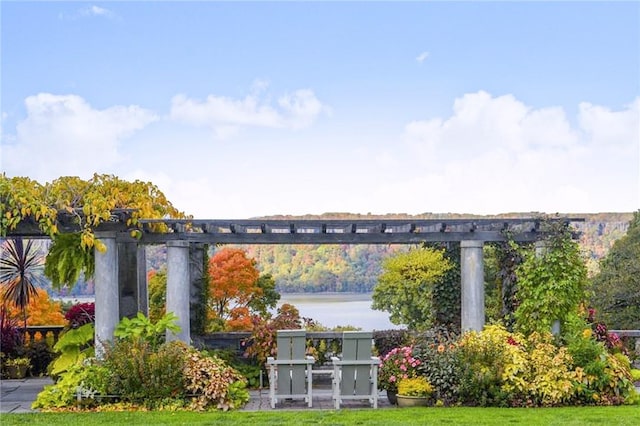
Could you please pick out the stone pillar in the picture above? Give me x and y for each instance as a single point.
(472, 274)
(178, 287)
(196, 287)
(128, 279)
(143, 289)
(106, 290)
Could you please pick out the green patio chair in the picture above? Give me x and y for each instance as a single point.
(355, 375)
(290, 374)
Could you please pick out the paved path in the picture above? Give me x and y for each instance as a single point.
(16, 396)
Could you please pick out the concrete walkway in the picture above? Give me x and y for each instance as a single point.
(16, 396)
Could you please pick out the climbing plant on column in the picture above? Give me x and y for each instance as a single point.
(551, 283)
(405, 287)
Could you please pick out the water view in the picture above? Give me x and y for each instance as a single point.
(329, 309)
(334, 309)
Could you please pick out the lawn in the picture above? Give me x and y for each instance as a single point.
(625, 415)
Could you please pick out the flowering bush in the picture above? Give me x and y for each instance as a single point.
(81, 314)
(440, 364)
(396, 365)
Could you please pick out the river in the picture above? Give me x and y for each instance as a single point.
(329, 309)
(334, 309)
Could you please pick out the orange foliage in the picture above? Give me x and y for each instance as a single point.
(240, 319)
(233, 279)
(41, 310)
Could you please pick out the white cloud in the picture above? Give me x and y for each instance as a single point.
(227, 115)
(495, 154)
(89, 12)
(422, 57)
(63, 135)
(491, 154)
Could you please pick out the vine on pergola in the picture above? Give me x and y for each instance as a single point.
(88, 203)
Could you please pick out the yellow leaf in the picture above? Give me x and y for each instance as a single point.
(100, 246)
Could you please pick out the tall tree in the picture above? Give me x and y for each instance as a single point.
(405, 287)
(616, 288)
(265, 299)
(233, 282)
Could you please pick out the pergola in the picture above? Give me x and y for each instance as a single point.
(120, 272)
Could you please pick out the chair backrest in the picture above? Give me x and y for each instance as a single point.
(291, 346)
(356, 346)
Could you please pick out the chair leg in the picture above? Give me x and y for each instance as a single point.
(309, 385)
(272, 386)
(335, 385)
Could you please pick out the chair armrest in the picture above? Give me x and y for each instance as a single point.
(356, 361)
(307, 360)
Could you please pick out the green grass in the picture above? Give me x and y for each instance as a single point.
(625, 415)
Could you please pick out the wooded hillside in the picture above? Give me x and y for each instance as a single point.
(310, 268)
(355, 268)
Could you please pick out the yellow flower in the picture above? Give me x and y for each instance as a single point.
(587, 333)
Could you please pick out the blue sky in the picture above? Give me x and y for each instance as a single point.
(254, 108)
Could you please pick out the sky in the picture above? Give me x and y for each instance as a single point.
(245, 109)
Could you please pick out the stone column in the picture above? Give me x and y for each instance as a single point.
(472, 264)
(143, 289)
(178, 288)
(128, 279)
(196, 273)
(106, 290)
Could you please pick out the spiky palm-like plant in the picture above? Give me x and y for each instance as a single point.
(21, 272)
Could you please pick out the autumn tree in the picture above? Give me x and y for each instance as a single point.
(233, 284)
(406, 286)
(41, 310)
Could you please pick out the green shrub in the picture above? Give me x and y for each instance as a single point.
(141, 327)
(89, 377)
(140, 372)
